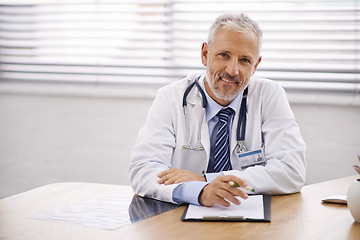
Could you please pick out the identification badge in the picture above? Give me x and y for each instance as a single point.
(251, 158)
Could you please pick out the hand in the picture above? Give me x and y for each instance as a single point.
(221, 192)
(174, 175)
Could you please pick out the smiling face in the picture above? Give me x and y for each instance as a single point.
(230, 61)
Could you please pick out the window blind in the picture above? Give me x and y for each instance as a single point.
(308, 45)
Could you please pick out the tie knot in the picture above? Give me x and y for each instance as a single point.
(225, 114)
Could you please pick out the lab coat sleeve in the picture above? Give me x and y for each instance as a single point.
(153, 150)
(284, 147)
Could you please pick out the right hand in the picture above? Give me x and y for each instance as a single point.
(221, 192)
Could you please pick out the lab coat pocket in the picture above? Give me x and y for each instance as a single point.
(194, 161)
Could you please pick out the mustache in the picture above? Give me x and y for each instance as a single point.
(228, 76)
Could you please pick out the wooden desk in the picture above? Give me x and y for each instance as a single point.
(297, 216)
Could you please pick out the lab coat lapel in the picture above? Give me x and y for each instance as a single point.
(233, 140)
(234, 128)
(195, 101)
(205, 138)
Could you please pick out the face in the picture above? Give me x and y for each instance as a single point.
(230, 61)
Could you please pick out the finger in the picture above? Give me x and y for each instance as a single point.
(166, 175)
(229, 192)
(177, 177)
(232, 178)
(208, 198)
(172, 177)
(163, 178)
(161, 181)
(229, 197)
(239, 193)
(166, 172)
(171, 180)
(235, 191)
(221, 201)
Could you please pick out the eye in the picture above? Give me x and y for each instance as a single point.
(246, 60)
(224, 55)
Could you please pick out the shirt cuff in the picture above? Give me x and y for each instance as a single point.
(188, 192)
(211, 176)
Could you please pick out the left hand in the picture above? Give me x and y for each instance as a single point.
(174, 175)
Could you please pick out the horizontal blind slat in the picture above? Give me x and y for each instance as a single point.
(305, 42)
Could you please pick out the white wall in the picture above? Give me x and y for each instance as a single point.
(56, 133)
(332, 135)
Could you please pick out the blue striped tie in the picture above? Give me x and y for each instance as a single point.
(222, 146)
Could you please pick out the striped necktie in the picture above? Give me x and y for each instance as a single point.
(222, 146)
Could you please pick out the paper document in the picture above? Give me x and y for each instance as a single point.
(104, 212)
(252, 208)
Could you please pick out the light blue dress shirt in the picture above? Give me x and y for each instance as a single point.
(188, 192)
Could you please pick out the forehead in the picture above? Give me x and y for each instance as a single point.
(244, 42)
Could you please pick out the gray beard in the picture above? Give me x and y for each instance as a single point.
(216, 90)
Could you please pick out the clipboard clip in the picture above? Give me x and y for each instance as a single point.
(224, 218)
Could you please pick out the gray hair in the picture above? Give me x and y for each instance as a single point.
(237, 22)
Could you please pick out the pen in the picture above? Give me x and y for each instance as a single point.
(234, 184)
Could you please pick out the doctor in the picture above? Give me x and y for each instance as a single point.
(175, 157)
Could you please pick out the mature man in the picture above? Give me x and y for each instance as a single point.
(183, 157)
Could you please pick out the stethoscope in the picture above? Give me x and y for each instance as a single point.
(240, 131)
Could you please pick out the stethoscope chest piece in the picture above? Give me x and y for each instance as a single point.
(240, 147)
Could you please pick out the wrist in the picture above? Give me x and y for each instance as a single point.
(199, 198)
(201, 195)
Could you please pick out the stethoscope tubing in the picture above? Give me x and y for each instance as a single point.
(241, 127)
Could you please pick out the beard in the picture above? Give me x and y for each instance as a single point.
(217, 92)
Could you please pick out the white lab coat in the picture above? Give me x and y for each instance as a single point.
(269, 118)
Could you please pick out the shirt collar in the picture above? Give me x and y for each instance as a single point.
(213, 107)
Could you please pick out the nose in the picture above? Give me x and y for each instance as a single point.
(233, 67)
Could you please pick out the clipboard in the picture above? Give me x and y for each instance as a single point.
(266, 201)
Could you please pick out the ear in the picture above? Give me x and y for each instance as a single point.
(256, 65)
(204, 53)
